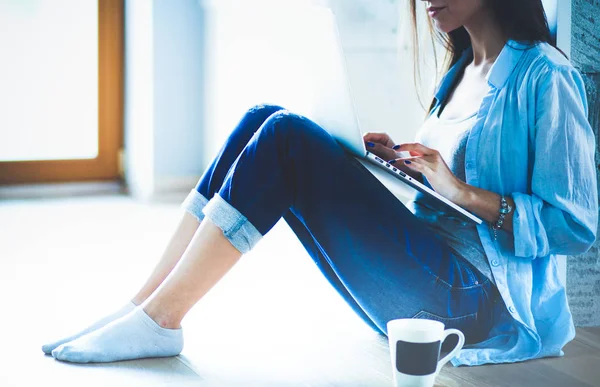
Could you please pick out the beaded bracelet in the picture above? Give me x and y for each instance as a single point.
(505, 209)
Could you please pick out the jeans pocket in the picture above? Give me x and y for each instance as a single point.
(467, 324)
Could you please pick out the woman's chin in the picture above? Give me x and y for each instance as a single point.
(445, 28)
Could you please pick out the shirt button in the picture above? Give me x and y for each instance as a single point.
(512, 309)
(495, 263)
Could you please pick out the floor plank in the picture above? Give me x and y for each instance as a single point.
(589, 336)
(579, 367)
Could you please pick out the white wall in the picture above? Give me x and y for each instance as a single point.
(164, 95)
(380, 66)
(179, 63)
(188, 80)
(139, 100)
(380, 75)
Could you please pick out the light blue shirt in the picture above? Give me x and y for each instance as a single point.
(531, 140)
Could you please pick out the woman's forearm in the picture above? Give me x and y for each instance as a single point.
(485, 204)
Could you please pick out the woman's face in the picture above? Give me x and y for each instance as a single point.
(448, 15)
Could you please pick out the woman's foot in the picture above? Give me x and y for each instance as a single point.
(134, 336)
(48, 348)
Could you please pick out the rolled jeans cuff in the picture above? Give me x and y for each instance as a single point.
(237, 229)
(194, 203)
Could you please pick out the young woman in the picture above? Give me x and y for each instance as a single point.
(506, 138)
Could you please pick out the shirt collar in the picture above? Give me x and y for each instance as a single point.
(506, 63)
(501, 70)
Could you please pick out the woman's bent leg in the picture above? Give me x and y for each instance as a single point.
(180, 240)
(322, 261)
(188, 224)
(210, 182)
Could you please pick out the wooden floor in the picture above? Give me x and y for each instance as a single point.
(580, 367)
(273, 320)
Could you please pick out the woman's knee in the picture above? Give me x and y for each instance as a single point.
(295, 129)
(262, 111)
(252, 120)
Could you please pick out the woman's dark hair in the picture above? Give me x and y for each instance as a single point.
(520, 20)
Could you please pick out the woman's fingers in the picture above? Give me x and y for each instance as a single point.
(416, 149)
(415, 163)
(382, 151)
(404, 155)
(378, 138)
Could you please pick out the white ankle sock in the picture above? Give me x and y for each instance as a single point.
(48, 348)
(134, 336)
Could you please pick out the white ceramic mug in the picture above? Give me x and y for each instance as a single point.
(415, 350)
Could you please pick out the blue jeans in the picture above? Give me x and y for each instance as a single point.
(383, 261)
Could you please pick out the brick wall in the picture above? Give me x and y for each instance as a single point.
(583, 272)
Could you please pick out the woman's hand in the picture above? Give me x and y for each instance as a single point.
(431, 164)
(380, 144)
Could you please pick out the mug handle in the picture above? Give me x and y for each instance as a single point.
(461, 342)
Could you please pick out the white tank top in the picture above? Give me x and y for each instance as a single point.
(449, 137)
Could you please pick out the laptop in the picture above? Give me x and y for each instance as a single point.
(313, 39)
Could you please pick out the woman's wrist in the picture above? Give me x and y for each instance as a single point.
(485, 204)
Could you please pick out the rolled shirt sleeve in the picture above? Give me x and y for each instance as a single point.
(560, 214)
